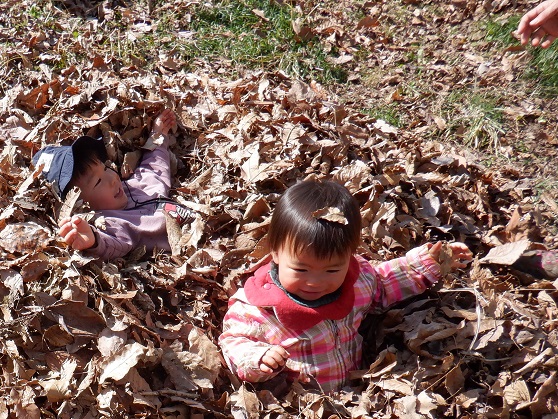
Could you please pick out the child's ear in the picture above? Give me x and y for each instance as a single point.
(274, 256)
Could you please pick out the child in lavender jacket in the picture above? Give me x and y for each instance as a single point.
(129, 213)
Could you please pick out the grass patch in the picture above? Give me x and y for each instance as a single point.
(388, 113)
(546, 185)
(141, 51)
(544, 68)
(474, 118)
(500, 33)
(41, 15)
(231, 30)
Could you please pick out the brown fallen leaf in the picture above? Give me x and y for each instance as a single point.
(332, 214)
(27, 237)
(445, 259)
(116, 366)
(67, 208)
(506, 254)
(245, 404)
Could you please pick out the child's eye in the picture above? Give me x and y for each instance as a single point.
(299, 270)
(332, 271)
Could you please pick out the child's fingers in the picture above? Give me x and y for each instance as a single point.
(64, 229)
(165, 116)
(274, 358)
(266, 369)
(164, 122)
(76, 220)
(69, 230)
(70, 236)
(169, 120)
(461, 254)
(282, 352)
(459, 247)
(436, 247)
(459, 264)
(63, 221)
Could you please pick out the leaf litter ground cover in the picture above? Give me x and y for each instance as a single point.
(136, 337)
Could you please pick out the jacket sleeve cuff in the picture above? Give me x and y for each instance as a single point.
(421, 261)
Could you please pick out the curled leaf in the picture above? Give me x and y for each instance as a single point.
(332, 214)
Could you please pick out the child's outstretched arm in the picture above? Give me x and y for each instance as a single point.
(404, 277)
(153, 176)
(76, 232)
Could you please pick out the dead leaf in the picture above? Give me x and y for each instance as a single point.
(506, 254)
(517, 392)
(69, 203)
(245, 404)
(116, 366)
(59, 389)
(25, 237)
(174, 233)
(130, 163)
(331, 214)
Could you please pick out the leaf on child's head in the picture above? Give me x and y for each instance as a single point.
(69, 203)
(332, 214)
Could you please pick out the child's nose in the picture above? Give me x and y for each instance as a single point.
(313, 281)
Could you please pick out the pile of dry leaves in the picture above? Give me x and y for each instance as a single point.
(136, 337)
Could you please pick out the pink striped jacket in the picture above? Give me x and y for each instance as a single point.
(331, 348)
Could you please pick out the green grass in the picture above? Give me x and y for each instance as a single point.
(544, 69)
(388, 113)
(500, 32)
(226, 33)
(40, 14)
(474, 118)
(231, 30)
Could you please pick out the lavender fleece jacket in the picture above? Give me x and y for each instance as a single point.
(130, 228)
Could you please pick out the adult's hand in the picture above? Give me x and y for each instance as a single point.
(540, 24)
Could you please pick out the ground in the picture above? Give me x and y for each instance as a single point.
(431, 113)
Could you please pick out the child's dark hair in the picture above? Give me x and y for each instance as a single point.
(87, 152)
(294, 224)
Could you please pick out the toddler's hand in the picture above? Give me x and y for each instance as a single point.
(76, 232)
(274, 358)
(164, 122)
(461, 255)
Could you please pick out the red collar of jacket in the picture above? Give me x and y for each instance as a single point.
(262, 292)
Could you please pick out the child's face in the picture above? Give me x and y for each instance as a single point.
(102, 188)
(308, 277)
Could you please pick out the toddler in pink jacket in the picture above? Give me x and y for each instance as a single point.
(301, 312)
